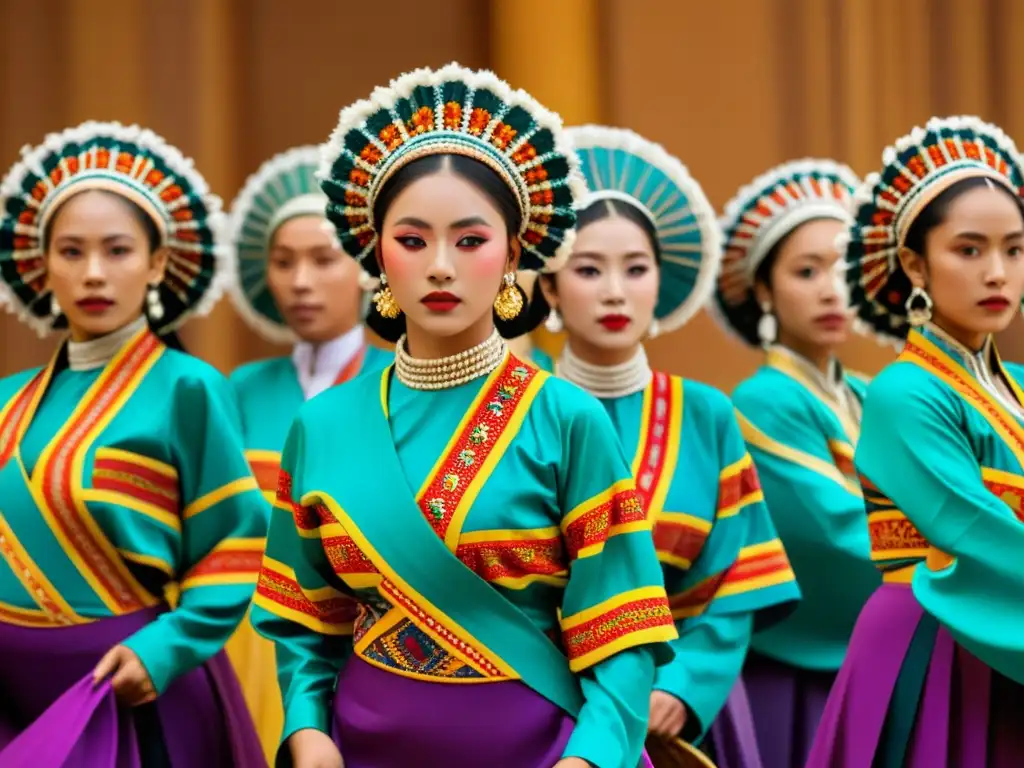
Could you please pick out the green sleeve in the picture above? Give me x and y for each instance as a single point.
(914, 448)
(615, 618)
(742, 577)
(300, 605)
(223, 524)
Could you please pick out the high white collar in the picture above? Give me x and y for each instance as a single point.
(96, 353)
(318, 365)
(606, 381)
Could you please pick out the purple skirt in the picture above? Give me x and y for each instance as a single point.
(908, 695)
(52, 716)
(731, 742)
(787, 704)
(385, 720)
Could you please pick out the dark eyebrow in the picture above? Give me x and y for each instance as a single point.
(588, 255)
(813, 255)
(980, 238)
(107, 239)
(469, 221)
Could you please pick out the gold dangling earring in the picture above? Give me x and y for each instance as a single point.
(509, 302)
(384, 300)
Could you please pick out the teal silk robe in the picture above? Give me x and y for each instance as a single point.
(119, 484)
(942, 460)
(803, 442)
(269, 395)
(725, 569)
(525, 554)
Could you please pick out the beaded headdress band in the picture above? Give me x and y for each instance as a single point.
(918, 168)
(759, 217)
(459, 111)
(136, 164)
(283, 188)
(620, 165)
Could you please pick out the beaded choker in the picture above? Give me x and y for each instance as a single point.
(606, 381)
(449, 372)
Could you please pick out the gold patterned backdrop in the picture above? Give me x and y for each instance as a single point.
(732, 87)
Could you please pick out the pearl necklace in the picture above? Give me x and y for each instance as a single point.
(449, 372)
(606, 381)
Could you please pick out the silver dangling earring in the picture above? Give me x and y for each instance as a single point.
(155, 306)
(553, 323)
(55, 309)
(918, 306)
(654, 329)
(767, 326)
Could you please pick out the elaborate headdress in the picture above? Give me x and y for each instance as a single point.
(283, 188)
(453, 110)
(759, 217)
(620, 165)
(132, 162)
(916, 170)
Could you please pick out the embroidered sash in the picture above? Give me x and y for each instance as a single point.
(411, 540)
(785, 365)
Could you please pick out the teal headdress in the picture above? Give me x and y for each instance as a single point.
(759, 217)
(619, 164)
(453, 110)
(918, 168)
(129, 161)
(283, 188)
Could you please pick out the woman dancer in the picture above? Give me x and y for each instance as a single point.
(121, 468)
(293, 284)
(475, 563)
(644, 261)
(934, 673)
(781, 288)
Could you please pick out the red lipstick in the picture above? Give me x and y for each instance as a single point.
(832, 321)
(94, 305)
(614, 323)
(441, 301)
(995, 303)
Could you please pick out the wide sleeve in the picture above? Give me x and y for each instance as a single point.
(300, 604)
(615, 618)
(808, 478)
(223, 525)
(914, 448)
(742, 579)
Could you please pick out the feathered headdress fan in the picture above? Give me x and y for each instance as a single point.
(129, 161)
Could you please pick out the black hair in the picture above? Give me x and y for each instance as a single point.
(609, 207)
(935, 212)
(144, 219)
(500, 194)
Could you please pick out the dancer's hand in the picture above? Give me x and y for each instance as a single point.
(128, 676)
(572, 762)
(314, 749)
(668, 714)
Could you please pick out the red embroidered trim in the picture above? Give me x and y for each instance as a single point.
(228, 561)
(514, 559)
(17, 416)
(346, 557)
(755, 566)
(267, 474)
(888, 535)
(1011, 495)
(593, 526)
(470, 451)
(843, 462)
(136, 480)
(306, 518)
(737, 486)
(679, 539)
(692, 601)
(629, 618)
(279, 589)
(655, 441)
(353, 367)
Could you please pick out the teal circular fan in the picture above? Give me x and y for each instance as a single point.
(283, 188)
(761, 215)
(129, 161)
(453, 110)
(916, 169)
(618, 163)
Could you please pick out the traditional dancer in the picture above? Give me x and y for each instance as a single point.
(292, 284)
(933, 677)
(475, 562)
(644, 261)
(781, 287)
(121, 468)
